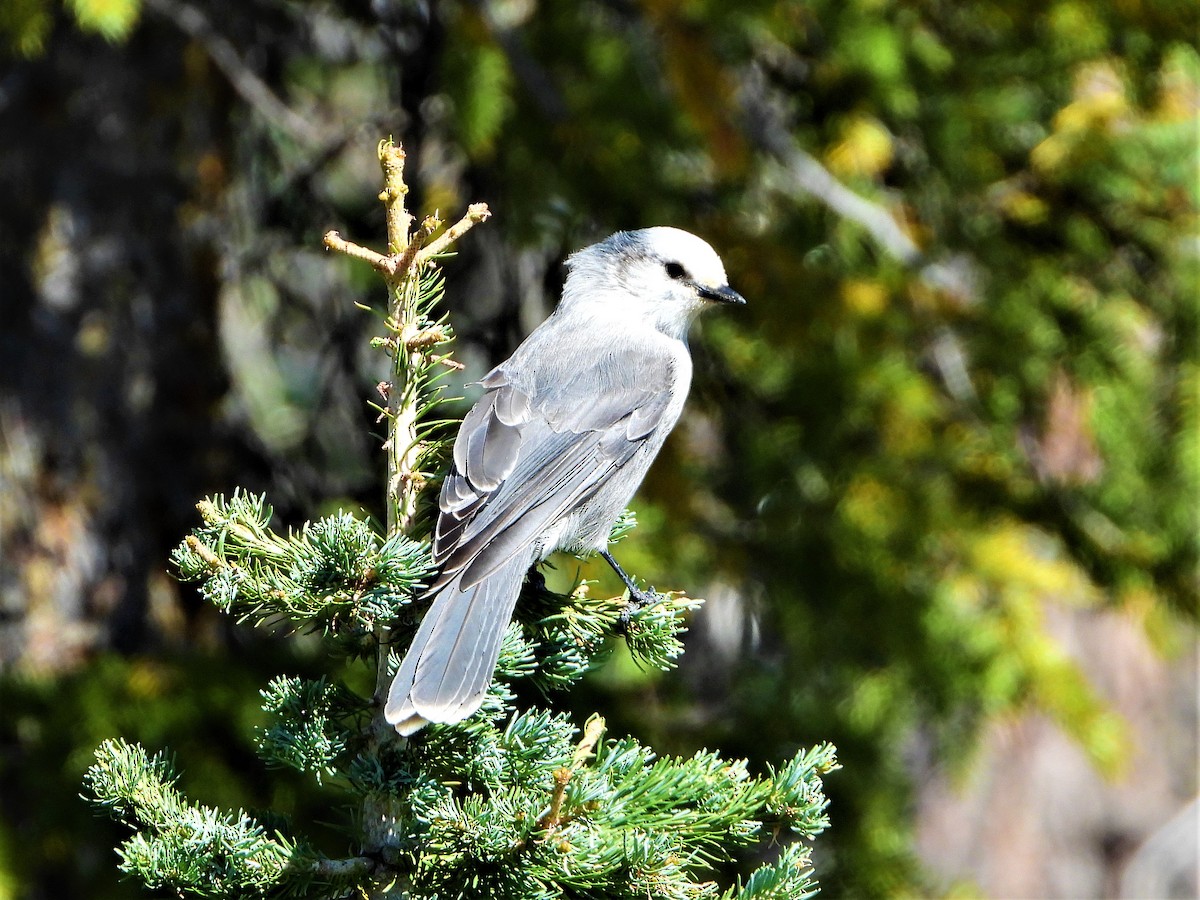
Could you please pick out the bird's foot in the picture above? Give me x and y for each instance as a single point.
(638, 600)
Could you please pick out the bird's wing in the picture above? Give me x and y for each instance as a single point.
(527, 454)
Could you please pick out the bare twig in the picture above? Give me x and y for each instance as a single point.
(415, 254)
(335, 241)
(954, 276)
(808, 176)
(476, 213)
(405, 260)
(765, 128)
(399, 219)
(553, 817)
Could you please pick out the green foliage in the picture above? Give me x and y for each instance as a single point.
(483, 806)
(482, 96)
(308, 730)
(25, 24)
(624, 825)
(180, 844)
(199, 704)
(787, 878)
(337, 573)
(111, 19)
(571, 630)
(502, 805)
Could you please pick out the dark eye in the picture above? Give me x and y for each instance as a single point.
(675, 270)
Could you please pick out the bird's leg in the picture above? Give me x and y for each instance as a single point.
(536, 579)
(638, 599)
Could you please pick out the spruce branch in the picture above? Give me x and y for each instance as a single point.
(414, 287)
(790, 877)
(337, 574)
(192, 21)
(313, 725)
(568, 634)
(670, 815)
(198, 849)
(796, 799)
(531, 812)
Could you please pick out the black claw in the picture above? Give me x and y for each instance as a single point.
(638, 600)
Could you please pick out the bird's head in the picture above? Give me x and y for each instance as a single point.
(660, 276)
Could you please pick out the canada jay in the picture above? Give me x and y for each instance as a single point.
(553, 451)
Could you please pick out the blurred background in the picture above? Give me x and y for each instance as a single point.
(939, 480)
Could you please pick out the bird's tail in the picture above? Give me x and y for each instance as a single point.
(449, 665)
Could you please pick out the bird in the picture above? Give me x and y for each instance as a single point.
(553, 451)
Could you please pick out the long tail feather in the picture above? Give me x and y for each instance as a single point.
(449, 666)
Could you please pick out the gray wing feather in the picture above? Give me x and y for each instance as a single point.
(520, 463)
(528, 516)
(485, 453)
(512, 406)
(487, 444)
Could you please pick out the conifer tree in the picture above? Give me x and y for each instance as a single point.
(514, 802)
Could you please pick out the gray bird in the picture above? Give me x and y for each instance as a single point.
(552, 453)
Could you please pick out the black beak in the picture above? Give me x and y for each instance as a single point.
(722, 294)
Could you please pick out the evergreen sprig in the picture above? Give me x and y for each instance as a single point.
(790, 877)
(568, 634)
(313, 724)
(337, 573)
(203, 851)
(534, 820)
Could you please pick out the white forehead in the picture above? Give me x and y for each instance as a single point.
(691, 252)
